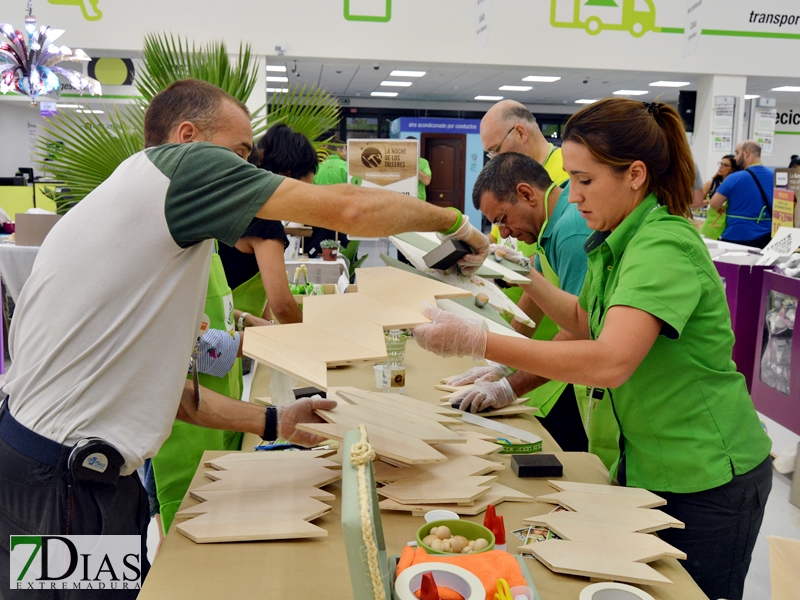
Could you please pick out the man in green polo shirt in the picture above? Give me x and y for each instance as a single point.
(518, 195)
(333, 169)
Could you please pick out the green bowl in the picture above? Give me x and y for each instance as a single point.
(468, 529)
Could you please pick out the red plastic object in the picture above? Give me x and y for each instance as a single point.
(499, 530)
(489, 517)
(9, 227)
(428, 590)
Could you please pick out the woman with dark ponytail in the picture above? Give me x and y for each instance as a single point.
(651, 326)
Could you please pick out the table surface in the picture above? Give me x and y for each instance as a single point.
(318, 568)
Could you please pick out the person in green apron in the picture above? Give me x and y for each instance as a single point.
(255, 266)
(652, 325)
(542, 216)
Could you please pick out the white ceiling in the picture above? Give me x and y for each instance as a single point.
(460, 83)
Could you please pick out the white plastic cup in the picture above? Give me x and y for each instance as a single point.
(378, 370)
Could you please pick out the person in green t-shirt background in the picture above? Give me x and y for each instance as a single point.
(652, 325)
(333, 169)
(424, 176)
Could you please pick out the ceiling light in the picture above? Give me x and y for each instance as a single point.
(586, 101)
(396, 83)
(670, 83)
(276, 68)
(277, 90)
(278, 79)
(407, 73)
(70, 106)
(751, 96)
(541, 78)
(630, 93)
(489, 98)
(515, 88)
(787, 88)
(91, 112)
(384, 94)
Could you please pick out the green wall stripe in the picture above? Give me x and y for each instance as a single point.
(671, 29)
(787, 133)
(756, 34)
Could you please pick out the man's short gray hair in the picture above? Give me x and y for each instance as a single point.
(501, 176)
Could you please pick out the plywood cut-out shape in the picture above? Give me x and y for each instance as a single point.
(257, 467)
(623, 513)
(517, 408)
(450, 389)
(497, 493)
(589, 560)
(400, 401)
(320, 309)
(400, 280)
(424, 490)
(476, 445)
(397, 410)
(784, 559)
(270, 456)
(571, 499)
(643, 495)
(353, 416)
(287, 359)
(567, 520)
(246, 526)
(286, 505)
(648, 547)
(459, 466)
(241, 480)
(308, 492)
(390, 444)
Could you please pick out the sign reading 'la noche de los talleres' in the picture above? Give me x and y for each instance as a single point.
(388, 164)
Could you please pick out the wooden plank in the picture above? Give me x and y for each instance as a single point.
(423, 490)
(245, 480)
(409, 297)
(286, 359)
(246, 526)
(623, 513)
(402, 279)
(308, 492)
(460, 466)
(288, 505)
(497, 494)
(475, 445)
(397, 410)
(400, 400)
(318, 343)
(450, 389)
(571, 499)
(566, 521)
(352, 416)
(401, 448)
(589, 560)
(608, 490)
(265, 467)
(648, 546)
(381, 311)
(518, 408)
(348, 326)
(270, 456)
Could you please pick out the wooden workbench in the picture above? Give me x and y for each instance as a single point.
(318, 568)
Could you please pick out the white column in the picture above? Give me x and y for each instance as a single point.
(258, 97)
(708, 87)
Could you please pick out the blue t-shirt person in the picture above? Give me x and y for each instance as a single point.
(748, 218)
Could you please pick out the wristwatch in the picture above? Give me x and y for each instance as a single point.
(270, 424)
(240, 322)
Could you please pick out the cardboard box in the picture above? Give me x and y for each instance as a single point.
(742, 279)
(31, 229)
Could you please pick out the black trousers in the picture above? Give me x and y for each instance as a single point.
(721, 529)
(564, 423)
(37, 499)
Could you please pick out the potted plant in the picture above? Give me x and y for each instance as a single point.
(330, 249)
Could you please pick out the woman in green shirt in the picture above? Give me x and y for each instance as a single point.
(652, 325)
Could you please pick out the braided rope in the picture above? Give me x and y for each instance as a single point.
(361, 454)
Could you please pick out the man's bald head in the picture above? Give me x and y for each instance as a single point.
(748, 153)
(510, 127)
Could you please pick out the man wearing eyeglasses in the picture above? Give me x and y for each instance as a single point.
(520, 198)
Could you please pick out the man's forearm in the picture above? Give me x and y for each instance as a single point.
(523, 382)
(220, 412)
(560, 306)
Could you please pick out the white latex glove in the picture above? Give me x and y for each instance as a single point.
(492, 372)
(475, 240)
(302, 411)
(514, 256)
(484, 396)
(450, 334)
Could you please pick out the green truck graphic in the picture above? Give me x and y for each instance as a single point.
(88, 8)
(635, 16)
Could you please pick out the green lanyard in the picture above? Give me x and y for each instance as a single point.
(538, 244)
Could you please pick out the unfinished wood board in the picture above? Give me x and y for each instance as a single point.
(246, 526)
(623, 513)
(450, 389)
(320, 310)
(308, 492)
(264, 467)
(353, 416)
(606, 490)
(285, 359)
(401, 279)
(646, 545)
(397, 410)
(589, 560)
(518, 408)
(571, 499)
(266, 457)
(497, 493)
(393, 445)
(400, 401)
(287, 478)
(424, 490)
(459, 466)
(288, 506)
(784, 558)
(476, 445)
(567, 521)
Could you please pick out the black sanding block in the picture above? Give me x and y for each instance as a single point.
(446, 255)
(536, 465)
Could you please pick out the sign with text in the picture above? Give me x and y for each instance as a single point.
(387, 164)
(782, 209)
(75, 562)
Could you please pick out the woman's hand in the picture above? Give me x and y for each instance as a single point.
(491, 372)
(450, 335)
(485, 396)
